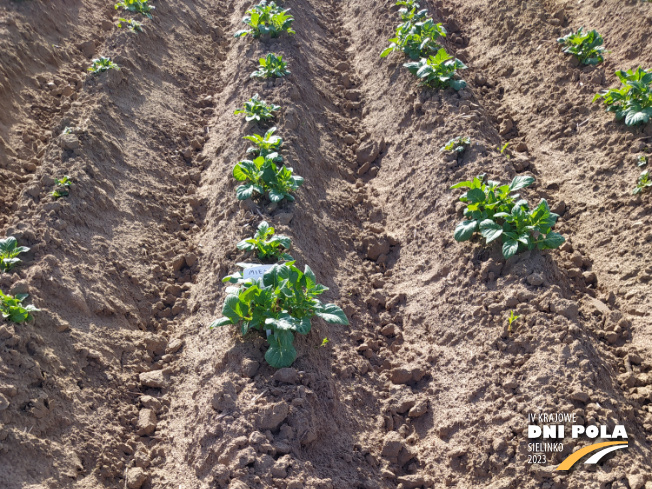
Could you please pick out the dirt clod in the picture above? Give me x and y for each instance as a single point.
(270, 417)
(69, 142)
(136, 477)
(146, 422)
(286, 375)
(249, 367)
(155, 379)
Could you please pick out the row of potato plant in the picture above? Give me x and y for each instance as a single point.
(281, 300)
(12, 307)
(632, 102)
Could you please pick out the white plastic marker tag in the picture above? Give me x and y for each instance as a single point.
(255, 272)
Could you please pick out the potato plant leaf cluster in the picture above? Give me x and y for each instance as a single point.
(496, 212)
(136, 6)
(266, 18)
(102, 64)
(131, 24)
(9, 251)
(438, 71)
(12, 308)
(282, 302)
(257, 110)
(265, 145)
(632, 101)
(417, 36)
(644, 183)
(268, 246)
(457, 144)
(585, 46)
(61, 187)
(263, 178)
(271, 66)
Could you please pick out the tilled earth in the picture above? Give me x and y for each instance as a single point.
(118, 382)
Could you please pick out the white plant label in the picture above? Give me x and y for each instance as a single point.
(256, 272)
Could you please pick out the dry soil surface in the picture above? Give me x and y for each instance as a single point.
(118, 382)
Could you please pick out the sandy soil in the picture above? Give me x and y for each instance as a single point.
(118, 382)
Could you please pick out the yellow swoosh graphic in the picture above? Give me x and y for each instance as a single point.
(575, 456)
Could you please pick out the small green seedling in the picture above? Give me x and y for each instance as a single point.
(263, 178)
(503, 150)
(67, 130)
(131, 24)
(585, 46)
(257, 110)
(641, 161)
(266, 18)
(644, 183)
(633, 101)
(269, 248)
(282, 302)
(62, 187)
(136, 6)
(458, 144)
(265, 145)
(9, 251)
(512, 319)
(496, 212)
(13, 310)
(271, 66)
(438, 71)
(102, 64)
(324, 342)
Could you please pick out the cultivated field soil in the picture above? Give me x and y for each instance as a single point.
(119, 383)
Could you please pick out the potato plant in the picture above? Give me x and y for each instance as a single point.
(12, 308)
(280, 303)
(416, 37)
(438, 71)
(102, 64)
(457, 144)
(257, 110)
(266, 18)
(266, 145)
(271, 66)
(9, 251)
(585, 46)
(61, 187)
(644, 183)
(131, 24)
(263, 178)
(494, 211)
(407, 6)
(136, 6)
(268, 246)
(633, 101)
